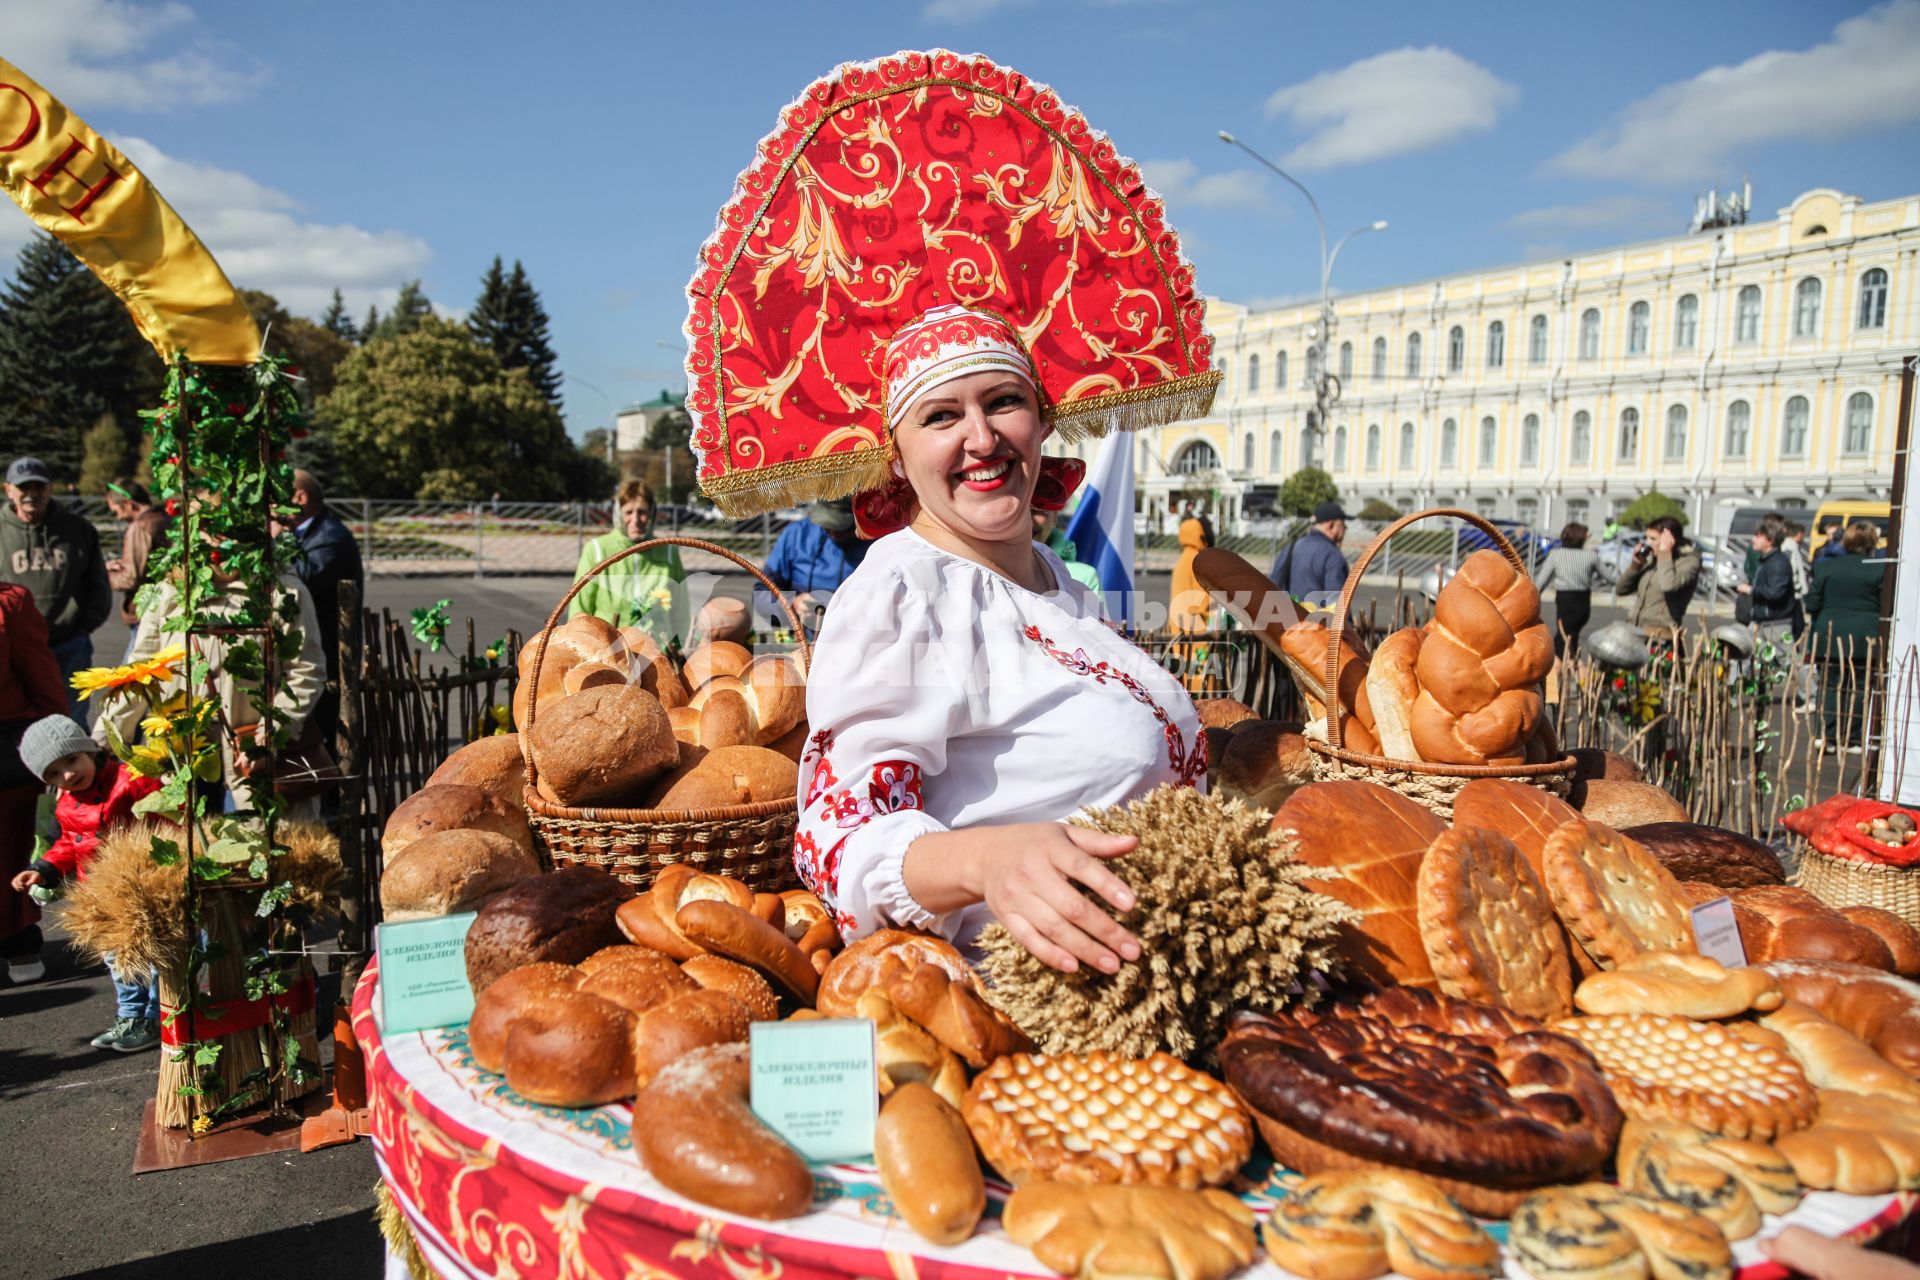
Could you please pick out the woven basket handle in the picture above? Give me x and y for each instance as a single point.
(1359, 570)
(559, 610)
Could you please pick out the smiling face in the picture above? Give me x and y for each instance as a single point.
(971, 451)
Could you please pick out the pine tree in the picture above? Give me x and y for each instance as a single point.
(410, 307)
(509, 320)
(335, 320)
(370, 325)
(68, 354)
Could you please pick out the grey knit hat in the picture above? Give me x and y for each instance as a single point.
(48, 740)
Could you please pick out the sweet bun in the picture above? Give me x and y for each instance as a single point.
(493, 764)
(622, 954)
(1264, 764)
(570, 1049)
(496, 1009)
(603, 745)
(1621, 804)
(727, 776)
(454, 806)
(450, 872)
(1480, 665)
(638, 987)
(716, 973)
(737, 934)
(563, 916)
(1710, 855)
(694, 1020)
(714, 658)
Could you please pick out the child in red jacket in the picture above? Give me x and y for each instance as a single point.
(97, 794)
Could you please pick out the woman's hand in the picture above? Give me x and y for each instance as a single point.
(1026, 874)
(1814, 1255)
(25, 881)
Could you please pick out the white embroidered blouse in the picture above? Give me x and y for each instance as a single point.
(943, 695)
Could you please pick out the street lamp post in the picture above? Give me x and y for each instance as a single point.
(1326, 387)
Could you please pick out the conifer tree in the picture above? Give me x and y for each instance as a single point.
(335, 320)
(370, 325)
(410, 307)
(509, 319)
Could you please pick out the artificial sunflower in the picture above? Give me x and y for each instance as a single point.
(161, 666)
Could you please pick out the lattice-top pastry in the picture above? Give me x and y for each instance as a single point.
(1733, 1079)
(1102, 1118)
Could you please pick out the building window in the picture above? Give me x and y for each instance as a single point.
(1858, 440)
(1686, 322)
(1496, 344)
(1806, 308)
(1485, 506)
(1576, 510)
(1590, 334)
(1639, 323)
(1537, 340)
(1280, 371)
(1746, 315)
(1406, 446)
(1313, 367)
(1528, 509)
(1226, 374)
(1530, 440)
(1346, 362)
(1456, 349)
(1629, 450)
(1340, 448)
(1246, 451)
(1580, 446)
(1380, 359)
(1793, 429)
(1373, 447)
(1253, 372)
(1274, 443)
(1489, 441)
(1405, 503)
(1739, 428)
(1413, 355)
(1196, 457)
(1310, 445)
(1676, 441)
(1872, 313)
(1449, 443)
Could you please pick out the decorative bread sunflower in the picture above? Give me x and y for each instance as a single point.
(1226, 919)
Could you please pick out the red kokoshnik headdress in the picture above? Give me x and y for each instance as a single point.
(891, 189)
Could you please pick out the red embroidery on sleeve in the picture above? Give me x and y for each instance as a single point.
(1188, 766)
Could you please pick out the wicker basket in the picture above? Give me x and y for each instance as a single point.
(750, 842)
(1854, 882)
(1429, 783)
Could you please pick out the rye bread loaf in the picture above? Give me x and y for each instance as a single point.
(563, 916)
(1709, 855)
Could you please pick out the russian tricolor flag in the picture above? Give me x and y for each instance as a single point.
(1102, 526)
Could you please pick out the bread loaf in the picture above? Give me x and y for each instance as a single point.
(1489, 927)
(907, 1053)
(449, 872)
(1222, 713)
(1304, 646)
(497, 1008)
(928, 1166)
(1480, 665)
(1523, 814)
(674, 1028)
(493, 764)
(592, 675)
(1131, 1232)
(1710, 855)
(603, 746)
(727, 930)
(563, 916)
(1376, 840)
(638, 987)
(1248, 594)
(1902, 939)
(454, 807)
(1798, 926)
(727, 776)
(1264, 764)
(696, 1134)
(1879, 1008)
(570, 1049)
(723, 618)
(715, 658)
(1591, 763)
(1392, 690)
(717, 973)
(1614, 898)
(1835, 1058)
(1626, 804)
(864, 965)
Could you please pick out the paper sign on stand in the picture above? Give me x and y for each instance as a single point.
(814, 1084)
(1717, 934)
(423, 973)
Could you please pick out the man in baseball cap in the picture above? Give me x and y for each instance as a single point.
(55, 554)
(1313, 569)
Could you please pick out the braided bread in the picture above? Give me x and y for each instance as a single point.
(1131, 1233)
(1480, 666)
(1661, 982)
(1859, 1145)
(1356, 1225)
(1576, 1233)
(1730, 1180)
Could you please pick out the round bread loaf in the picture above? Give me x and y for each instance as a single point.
(1222, 713)
(603, 746)
(454, 806)
(714, 658)
(449, 872)
(724, 618)
(1626, 804)
(563, 916)
(638, 987)
(570, 1049)
(493, 764)
(727, 776)
(592, 675)
(1591, 763)
(1264, 764)
(1489, 926)
(696, 1019)
(1710, 855)
(777, 692)
(1375, 839)
(512, 994)
(862, 966)
(717, 973)
(1486, 1102)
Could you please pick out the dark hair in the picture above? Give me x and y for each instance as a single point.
(1795, 529)
(1862, 536)
(1673, 526)
(1206, 531)
(1574, 536)
(1774, 526)
(132, 490)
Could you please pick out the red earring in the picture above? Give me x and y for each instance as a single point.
(888, 509)
(1059, 477)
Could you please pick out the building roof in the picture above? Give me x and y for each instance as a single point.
(665, 400)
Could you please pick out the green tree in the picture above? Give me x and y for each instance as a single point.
(105, 453)
(336, 322)
(432, 414)
(410, 309)
(370, 325)
(1650, 506)
(509, 320)
(1382, 512)
(68, 354)
(1306, 489)
(313, 351)
(670, 433)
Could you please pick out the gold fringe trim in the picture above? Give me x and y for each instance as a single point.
(1137, 409)
(398, 1235)
(740, 494)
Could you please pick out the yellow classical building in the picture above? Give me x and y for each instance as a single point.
(1747, 365)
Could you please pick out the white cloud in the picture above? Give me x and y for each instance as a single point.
(1181, 184)
(967, 11)
(95, 53)
(257, 235)
(1605, 213)
(1388, 105)
(1862, 78)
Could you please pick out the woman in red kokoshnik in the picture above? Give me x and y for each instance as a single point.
(932, 268)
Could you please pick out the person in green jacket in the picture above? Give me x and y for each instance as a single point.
(646, 590)
(1048, 533)
(1844, 601)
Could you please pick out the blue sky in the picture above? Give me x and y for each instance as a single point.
(314, 144)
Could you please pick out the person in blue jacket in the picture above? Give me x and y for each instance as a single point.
(811, 558)
(1313, 569)
(329, 555)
